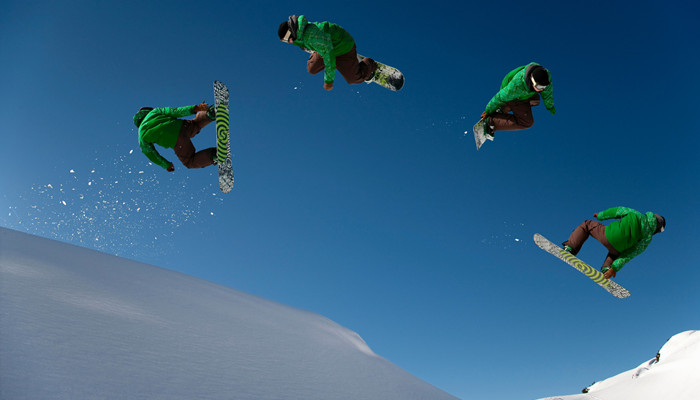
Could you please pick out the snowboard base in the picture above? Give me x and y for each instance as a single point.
(479, 135)
(595, 275)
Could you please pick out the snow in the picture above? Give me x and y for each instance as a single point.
(79, 324)
(674, 376)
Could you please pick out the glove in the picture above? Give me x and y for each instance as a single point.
(201, 107)
(484, 115)
(328, 86)
(610, 273)
(171, 168)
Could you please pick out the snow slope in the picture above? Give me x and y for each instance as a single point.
(675, 376)
(80, 324)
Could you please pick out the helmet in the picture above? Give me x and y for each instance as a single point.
(540, 77)
(288, 28)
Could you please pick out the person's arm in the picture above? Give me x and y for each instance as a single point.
(150, 151)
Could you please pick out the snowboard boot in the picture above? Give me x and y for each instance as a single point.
(568, 248)
(211, 113)
(488, 129)
(372, 67)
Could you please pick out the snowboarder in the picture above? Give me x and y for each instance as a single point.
(624, 239)
(520, 90)
(163, 127)
(331, 48)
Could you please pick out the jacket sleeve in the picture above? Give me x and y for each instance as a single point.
(319, 39)
(325, 49)
(629, 254)
(329, 72)
(150, 151)
(548, 98)
(176, 112)
(499, 99)
(615, 212)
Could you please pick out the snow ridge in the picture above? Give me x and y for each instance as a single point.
(80, 324)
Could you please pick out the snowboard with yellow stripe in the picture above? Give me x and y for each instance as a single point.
(223, 143)
(595, 275)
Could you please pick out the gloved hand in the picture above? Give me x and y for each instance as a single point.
(171, 168)
(483, 115)
(610, 273)
(328, 86)
(201, 107)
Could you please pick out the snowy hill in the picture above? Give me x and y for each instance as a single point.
(79, 324)
(674, 376)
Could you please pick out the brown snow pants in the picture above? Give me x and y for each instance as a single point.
(597, 230)
(184, 149)
(347, 64)
(521, 117)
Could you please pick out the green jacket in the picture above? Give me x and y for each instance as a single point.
(328, 40)
(517, 86)
(161, 126)
(630, 235)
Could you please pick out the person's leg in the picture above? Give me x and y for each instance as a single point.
(521, 117)
(595, 229)
(609, 260)
(184, 149)
(579, 236)
(315, 63)
(353, 70)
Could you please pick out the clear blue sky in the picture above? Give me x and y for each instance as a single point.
(370, 207)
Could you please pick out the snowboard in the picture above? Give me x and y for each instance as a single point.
(595, 275)
(223, 144)
(479, 135)
(389, 77)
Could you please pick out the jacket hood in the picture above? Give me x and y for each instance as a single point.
(649, 224)
(532, 67)
(660, 223)
(301, 23)
(293, 25)
(140, 115)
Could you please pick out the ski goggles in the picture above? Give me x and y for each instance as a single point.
(287, 36)
(536, 85)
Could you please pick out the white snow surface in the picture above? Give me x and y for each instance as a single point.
(675, 376)
(80, 324)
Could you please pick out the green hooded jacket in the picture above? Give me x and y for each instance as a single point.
(161, 126)
(630, 235)
(327, 39)
(515, 86)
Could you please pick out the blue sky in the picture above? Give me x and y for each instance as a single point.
(370, 207)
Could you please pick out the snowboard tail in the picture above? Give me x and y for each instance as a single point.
(385, 75)
(479, 133)
(596, 276)
(479, 136)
